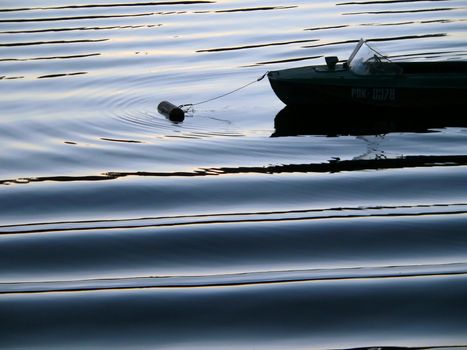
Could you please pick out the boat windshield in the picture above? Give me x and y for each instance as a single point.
(365, 60)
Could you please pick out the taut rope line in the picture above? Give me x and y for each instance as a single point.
(190, 106)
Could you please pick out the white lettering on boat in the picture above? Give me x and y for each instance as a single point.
(359, 93)
(375, 94)
(384, 94)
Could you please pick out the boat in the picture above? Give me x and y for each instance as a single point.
(370, 78)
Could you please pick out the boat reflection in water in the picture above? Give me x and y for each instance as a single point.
(362, 120)
(371, 125)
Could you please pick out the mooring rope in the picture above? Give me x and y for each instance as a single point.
(190, 106)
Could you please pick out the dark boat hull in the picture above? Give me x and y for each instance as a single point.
(324, 88)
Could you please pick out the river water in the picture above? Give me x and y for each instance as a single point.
(244, 226)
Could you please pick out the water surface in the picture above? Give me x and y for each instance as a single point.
(246, 225)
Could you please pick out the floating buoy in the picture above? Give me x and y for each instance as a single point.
(171, 111)
(177, 114)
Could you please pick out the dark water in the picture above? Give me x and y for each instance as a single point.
(247, 225)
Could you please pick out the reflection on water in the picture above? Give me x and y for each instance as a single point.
(364, 120)
(119, 228)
